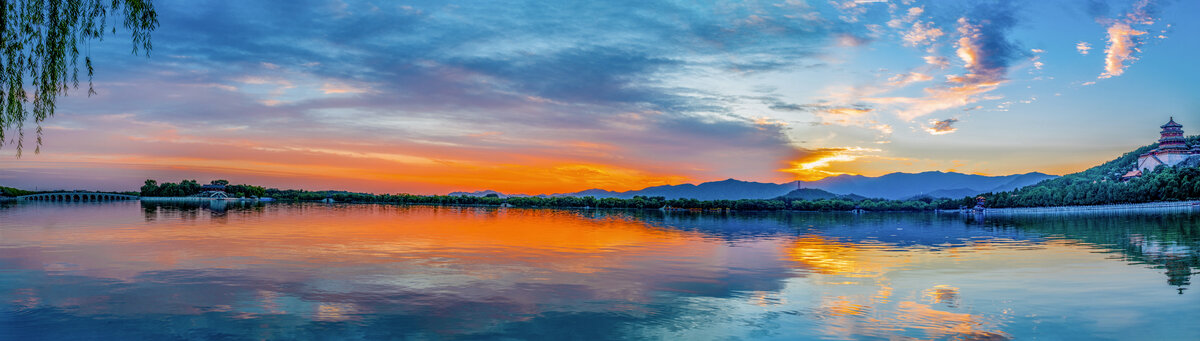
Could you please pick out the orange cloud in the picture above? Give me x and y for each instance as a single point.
(904, 79)
(1083, 47)
(848, 111)
(815, 166)
(130, 151)
(330, 88)
(963, 89)
(314, 168)
(922, 33)
(843, 115)
(1123, 40)
(940, 98)
(939, 61)
(1121, 46)
(766, 122)
(968, 44)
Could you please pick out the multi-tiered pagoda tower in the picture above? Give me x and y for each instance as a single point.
(1172, 149)
(1172, 137)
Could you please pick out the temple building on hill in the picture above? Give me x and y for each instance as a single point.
(1172, 150)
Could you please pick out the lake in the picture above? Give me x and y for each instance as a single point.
(125, 270)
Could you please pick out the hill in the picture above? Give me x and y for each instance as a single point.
(1103, 185)
(947, 193)
(482, 193)
(933, 184)
(728, 189)
(813, 194)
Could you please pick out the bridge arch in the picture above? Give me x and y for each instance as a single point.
(77, 196)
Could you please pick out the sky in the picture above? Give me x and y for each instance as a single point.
(553, 97)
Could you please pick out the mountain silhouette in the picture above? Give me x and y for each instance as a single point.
(890, 186)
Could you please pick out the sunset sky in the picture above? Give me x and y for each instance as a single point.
(440, 96)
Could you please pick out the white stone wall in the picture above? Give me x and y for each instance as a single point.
(1173, 158)
(1147, 162)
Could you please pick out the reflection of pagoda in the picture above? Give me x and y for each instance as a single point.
(1172, 149)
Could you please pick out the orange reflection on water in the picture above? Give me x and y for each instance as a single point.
(942, 293)
(336, 311)
(868, 265)
(827, 256)
(843, 306)
(475, 254)
(561, 240)
(939, 324)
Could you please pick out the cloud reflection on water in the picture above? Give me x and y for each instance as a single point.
(369, 271)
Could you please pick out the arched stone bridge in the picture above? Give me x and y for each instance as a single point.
(77, 196)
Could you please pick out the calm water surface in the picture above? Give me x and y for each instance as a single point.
(125, 270)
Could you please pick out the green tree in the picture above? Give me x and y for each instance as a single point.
(150, 188)
(189, 187)
(42, 40)
(170, 189)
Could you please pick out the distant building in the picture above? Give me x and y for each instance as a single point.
(212, 191)
(1172, 149)
(1131, 174)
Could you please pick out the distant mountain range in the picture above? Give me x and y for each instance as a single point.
(890, 186)
(933, 184)
(483, 193)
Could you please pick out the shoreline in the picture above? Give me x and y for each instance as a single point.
(192, 199)
(1146, 206)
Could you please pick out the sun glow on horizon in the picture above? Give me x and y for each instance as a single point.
(816, 166)
(886, 87)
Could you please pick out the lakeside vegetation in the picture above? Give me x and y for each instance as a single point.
(16, 192)
(184, 188)
(13, 192)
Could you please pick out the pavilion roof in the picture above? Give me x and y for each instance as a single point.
(1172, 123)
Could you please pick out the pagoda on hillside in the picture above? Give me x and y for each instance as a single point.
(1172, 149)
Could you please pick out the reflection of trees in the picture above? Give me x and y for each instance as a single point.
(739, 225)
(1162, 240)
(150, 212)
(191, 210)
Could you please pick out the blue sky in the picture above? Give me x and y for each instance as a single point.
(429, 97)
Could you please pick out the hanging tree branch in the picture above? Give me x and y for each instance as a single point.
(41, 42)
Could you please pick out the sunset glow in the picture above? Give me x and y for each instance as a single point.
(434, 97)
